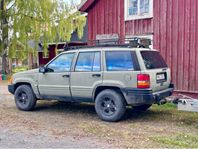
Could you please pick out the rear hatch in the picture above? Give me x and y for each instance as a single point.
(158, 70)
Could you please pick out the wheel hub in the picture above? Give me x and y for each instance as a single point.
(108, 106)
(23, 98)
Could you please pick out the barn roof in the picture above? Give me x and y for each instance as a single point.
(85, 5)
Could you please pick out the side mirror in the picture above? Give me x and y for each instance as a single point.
(42, 69)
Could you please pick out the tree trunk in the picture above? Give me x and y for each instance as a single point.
(4, 63)
(4, 28)
(30, 60)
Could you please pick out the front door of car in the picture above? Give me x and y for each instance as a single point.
(86, 75)
(55, 82)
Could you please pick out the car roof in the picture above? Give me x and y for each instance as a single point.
(108, 49)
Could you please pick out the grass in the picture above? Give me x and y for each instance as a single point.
(178, 140)
(170, 112)
(171, 134)
(181, 119)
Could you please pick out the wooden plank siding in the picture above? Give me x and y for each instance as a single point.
(105, 17)
(174, 27)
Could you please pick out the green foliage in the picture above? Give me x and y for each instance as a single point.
(39, 20)
(178, 140)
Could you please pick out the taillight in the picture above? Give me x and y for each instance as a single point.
(143, 81)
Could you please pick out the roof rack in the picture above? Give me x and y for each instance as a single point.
(126, 42)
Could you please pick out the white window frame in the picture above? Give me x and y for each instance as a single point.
(45, 56)
(138, 16)
(143, 36)
(59, 51)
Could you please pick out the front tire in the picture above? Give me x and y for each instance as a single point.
(110, 105)
(25, 98)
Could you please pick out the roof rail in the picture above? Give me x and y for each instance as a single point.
(126, 42)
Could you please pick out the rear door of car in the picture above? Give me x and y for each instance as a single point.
(156, 67)
(86, 74)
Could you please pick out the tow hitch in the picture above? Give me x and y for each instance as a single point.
(160, 101)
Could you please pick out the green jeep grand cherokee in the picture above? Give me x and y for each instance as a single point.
(111, 77)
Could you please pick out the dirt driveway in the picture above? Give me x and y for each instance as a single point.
(55, 124)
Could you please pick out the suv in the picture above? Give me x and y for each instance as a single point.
(111, 77)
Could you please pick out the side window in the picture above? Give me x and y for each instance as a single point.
(119, 61)
(88, 61)
(62, 63)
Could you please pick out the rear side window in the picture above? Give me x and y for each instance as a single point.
(153, 60)
(119, 61)
(88, 61)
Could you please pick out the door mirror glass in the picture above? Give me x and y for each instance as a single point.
(42, 69)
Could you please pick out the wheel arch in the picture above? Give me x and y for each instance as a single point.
(101, 88)
(21, 83)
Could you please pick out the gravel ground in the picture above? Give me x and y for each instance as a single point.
(11, 139)
(22, 130)
(60, 125)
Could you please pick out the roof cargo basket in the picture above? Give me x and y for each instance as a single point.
(126, 42)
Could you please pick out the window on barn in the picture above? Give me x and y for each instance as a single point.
(138, 9)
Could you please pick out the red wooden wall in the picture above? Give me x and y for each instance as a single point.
(52, 51)
(174, 28)
(105, 17)
(175, 31)
(52, 54)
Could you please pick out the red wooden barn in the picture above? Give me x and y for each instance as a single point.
(75, 41)
(52, 47)
(172, 25)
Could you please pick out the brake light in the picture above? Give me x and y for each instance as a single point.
(143, 81)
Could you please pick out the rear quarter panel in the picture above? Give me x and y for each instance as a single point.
(121, 79)
(153, 74)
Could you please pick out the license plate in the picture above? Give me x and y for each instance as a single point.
(160, 77)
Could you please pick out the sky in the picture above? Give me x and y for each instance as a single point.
(76, 1)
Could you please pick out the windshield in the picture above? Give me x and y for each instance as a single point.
(153, 60)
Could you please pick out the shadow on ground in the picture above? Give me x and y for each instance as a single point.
(88, 109)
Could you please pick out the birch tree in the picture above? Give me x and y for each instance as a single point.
(39, 20)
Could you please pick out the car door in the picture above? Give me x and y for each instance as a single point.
(56, 81)
(86, 75)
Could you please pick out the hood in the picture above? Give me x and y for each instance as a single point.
(26, 73)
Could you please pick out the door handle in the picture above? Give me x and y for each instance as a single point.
(96, 75)
(65, 76)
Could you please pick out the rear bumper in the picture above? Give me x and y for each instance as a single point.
(11, 88)
(146, 96)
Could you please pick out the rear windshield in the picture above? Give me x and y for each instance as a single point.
(153, 60)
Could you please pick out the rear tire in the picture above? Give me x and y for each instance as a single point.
(142, 107)
(25, 98)
(110, 105)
